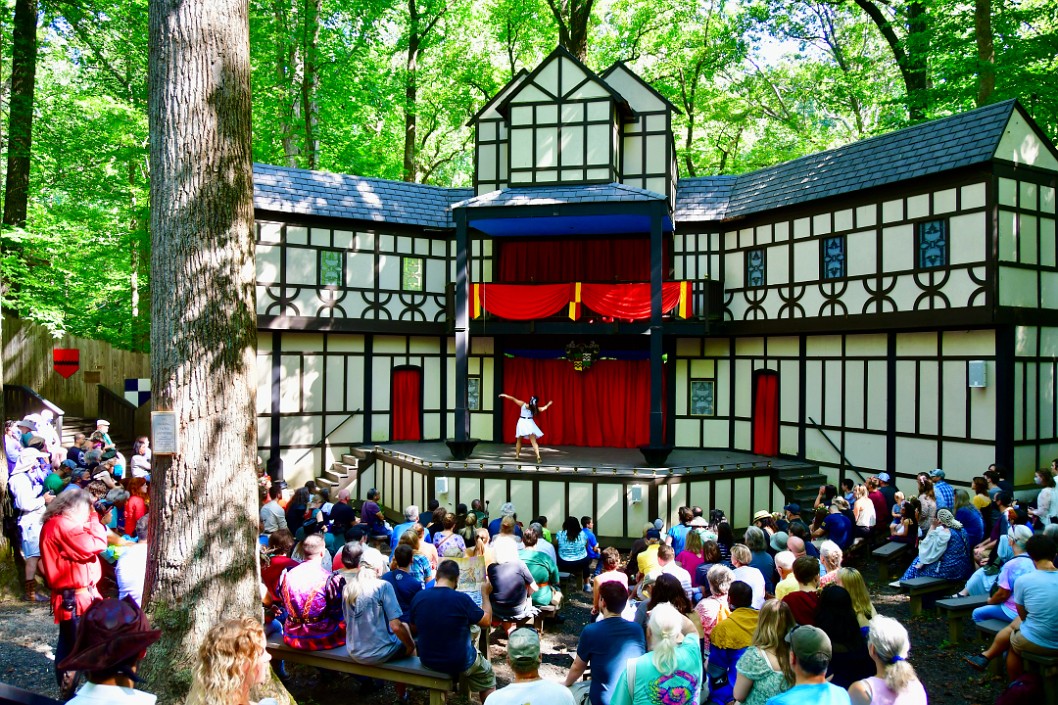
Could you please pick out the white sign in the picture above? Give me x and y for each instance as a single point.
(164, 439)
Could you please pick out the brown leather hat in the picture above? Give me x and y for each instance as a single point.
(110, 633)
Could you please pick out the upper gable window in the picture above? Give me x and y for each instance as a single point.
(834, 257)
(411, 273)
(931, 244)
(331, 268)
(755, 268)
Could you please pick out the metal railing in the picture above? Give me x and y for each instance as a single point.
(837, 450)
(20, 401)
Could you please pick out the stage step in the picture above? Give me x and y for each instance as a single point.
(800, 483)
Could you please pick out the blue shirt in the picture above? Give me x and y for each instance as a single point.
(592, 542)
(606, 646)
(945, 494)
(973, 523)
(399, 530)
(678, 534)
(1037, 592)
(442, 619)
(494, 527)
(839, 529)
(812, 694)
(406, 587)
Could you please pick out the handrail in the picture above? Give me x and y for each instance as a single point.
(15, 393)
(122, 411)
(845, 460)
(320, 442)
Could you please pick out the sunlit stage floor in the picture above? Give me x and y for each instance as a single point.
(495, 457)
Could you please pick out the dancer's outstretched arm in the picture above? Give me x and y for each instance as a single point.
(519, 402)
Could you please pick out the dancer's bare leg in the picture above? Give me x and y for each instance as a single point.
(518, 447)
(536, 448)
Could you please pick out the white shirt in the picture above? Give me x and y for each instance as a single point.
(273, 517)
(755, 579)
(130, 570)
(548, 548)
(94, 694)
(539, 692)
(676, 570)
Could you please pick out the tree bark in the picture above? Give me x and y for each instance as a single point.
(287, 74)
(411, 92)
(910, 53)
(20, 128)
(10, 575)
(202, 565)
(572, 17)
(986, 53)
(309, 106)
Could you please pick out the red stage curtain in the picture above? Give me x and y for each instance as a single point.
(628, 302)
(519, 302)
(766, 414)
(606, 406)
(575, 259)
(407, 404)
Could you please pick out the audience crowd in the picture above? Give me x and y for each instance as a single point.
(696, 614)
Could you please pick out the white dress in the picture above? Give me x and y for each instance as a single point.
(526, 425)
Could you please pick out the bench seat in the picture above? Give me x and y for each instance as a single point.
(887, 555)
(919, 588)
(956, 609)
(408, 670)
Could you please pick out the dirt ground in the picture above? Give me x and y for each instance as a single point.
(27, 637)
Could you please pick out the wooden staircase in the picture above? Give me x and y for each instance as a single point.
(800, 483)
(343, 472)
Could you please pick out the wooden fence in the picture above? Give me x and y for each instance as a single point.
(27, 350)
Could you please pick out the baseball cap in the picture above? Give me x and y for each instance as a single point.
(937, 473)
(654, 534)
(793, 507)
(810, 644)
(102, 422)
(883, 476)
(523, 646)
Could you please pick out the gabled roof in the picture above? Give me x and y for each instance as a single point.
(621, 65)
(560, 195)
(921, 150)
(561, 52)
(518, 78)
(291, 191)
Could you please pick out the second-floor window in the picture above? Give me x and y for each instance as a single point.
(332, 268)
(931, 242)
(834, 257)
(411, 273)
(755, 268)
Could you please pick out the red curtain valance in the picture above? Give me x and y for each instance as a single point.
(586, 259)
(626, 302)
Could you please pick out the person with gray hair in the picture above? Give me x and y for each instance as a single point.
(1000, 604)
(784, 561)
(895, 679)
(830, 555)
(713, 607)
(757, 543)
(741, 558)
(131, 566)
(545, 546)
(411, 518)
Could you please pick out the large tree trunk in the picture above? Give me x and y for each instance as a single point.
(310, 108)
(20, 129)
(287, 74)
(204, 518)
(411, 92)
(986, 52)
(910, 53)
(572, 17)
(10, 574)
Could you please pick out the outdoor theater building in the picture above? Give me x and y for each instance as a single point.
(888, 305)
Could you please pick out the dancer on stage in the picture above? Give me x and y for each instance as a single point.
(527, 428)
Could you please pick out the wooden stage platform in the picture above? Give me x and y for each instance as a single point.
(611, 484)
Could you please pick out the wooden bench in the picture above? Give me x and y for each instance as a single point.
(888, 555)
(987, 630)
(856, 553)
(10, 695)
(1047, 667)
(957, 609)
(923, 591)
(544, 612)
(408, 670)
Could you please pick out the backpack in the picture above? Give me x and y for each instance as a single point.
(1026, 688)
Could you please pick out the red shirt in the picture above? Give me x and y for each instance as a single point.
(803, 605)
(882, 511)
(270, 575)
(135, 508)
(69, 557)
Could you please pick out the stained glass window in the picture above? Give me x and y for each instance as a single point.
(474, 393)
(411, 274)
(702, 397)
(834, 257)
(755, 268)
(932, 244)
(331, 262)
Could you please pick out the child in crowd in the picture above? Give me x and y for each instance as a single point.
(898, 507)
(591, 542)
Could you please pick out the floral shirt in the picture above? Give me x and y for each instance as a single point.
(767, 682)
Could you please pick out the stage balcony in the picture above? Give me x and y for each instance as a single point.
(690, 307)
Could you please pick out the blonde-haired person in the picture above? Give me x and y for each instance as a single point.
(895, 681)
(421, 569)
(671, 671)
(830, 555)
(764, 669)
(863, 512)
(852, 580)
(231, 661)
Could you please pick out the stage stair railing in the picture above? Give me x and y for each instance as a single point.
(844, 460)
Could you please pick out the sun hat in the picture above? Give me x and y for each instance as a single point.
(762, 514)
(102, 422)
(507, 509)
(778, 541)
(110, 633)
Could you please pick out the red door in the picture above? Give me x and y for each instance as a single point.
(407, 404)
(766, 412)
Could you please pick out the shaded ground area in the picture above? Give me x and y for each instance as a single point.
(27, 636)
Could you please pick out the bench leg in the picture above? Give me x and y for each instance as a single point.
(955, 628)
(437, 697)
(916, 605)
(883, 572)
